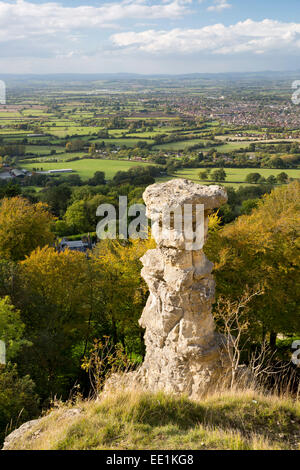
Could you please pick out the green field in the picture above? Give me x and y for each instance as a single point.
(44, 149)
(230, 146)
(86, 168)
(71, 130)
(13, 132)
(120, 142)
(7, 114)
(236, 175)
(61, 156)
(34, 112)
(181, 145)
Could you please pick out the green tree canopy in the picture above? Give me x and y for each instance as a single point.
(218, 175)
(11, 328)
(253, 178)
(263, 249)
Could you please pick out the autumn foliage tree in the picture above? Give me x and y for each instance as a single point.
(262, 249)
(68, 299)
(23, 227)
(124, 292)
(52, 292)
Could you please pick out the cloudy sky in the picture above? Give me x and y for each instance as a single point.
(149, 36)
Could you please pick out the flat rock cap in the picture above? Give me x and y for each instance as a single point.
(177, 192)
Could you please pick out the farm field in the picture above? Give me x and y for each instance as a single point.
(246, 141)
(71, 130)
(37, 189)
(120, 142)
(13, 133)
(4, 114)
(230, 146)
(43, 149)
(181, 145)
(236, 175)
(61, 155)
(56, 117)
(184, 144)
(86, 168)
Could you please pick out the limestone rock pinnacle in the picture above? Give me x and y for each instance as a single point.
(184, 353)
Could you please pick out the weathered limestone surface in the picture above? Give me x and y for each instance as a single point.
(32, 430)
(184, 353)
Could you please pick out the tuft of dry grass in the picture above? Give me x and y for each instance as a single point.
(232, 420)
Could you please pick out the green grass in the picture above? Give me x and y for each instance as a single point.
(116, 132)
(134, 420)
(37, 189)
(34, 112)
(86, 168)
(64, 130)
(236, 175)
(43, 149)
(42, 158)
(230, 146)
(9, 114)
(12, 132)
(181, 145)
(120, 142)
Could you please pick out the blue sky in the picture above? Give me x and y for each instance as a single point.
(149, 36)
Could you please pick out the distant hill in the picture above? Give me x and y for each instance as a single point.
(13, 80)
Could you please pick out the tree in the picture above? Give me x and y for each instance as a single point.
(143, 144)
(262, 180)
(282, 178)
(18, 400)
(75, 145)
(11, 328)
(92, 149)
(218, 175)
(10, 190)
(23, 227)
(277, 162)
(69, 147)
(253, 178)
(271, 179)
(72, 180)
(261, 249)
(249, 205)
(62, 229)
(57, 197)
(53, 293)
(76, 217)
(124, 291)
(159, 159)
(98, 179)
(103, 134)
(203, 175)
(137, 176)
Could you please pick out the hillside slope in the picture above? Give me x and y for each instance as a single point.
(132, 420)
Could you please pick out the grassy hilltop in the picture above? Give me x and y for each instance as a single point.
(132, 420)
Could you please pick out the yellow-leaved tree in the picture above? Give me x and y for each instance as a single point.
(124, 292)
(262, 249)
(23, 227)
(52, 292)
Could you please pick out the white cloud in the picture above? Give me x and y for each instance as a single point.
(24, 19)
(219, 5)
(249, 36)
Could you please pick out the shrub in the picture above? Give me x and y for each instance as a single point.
(18, 402)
